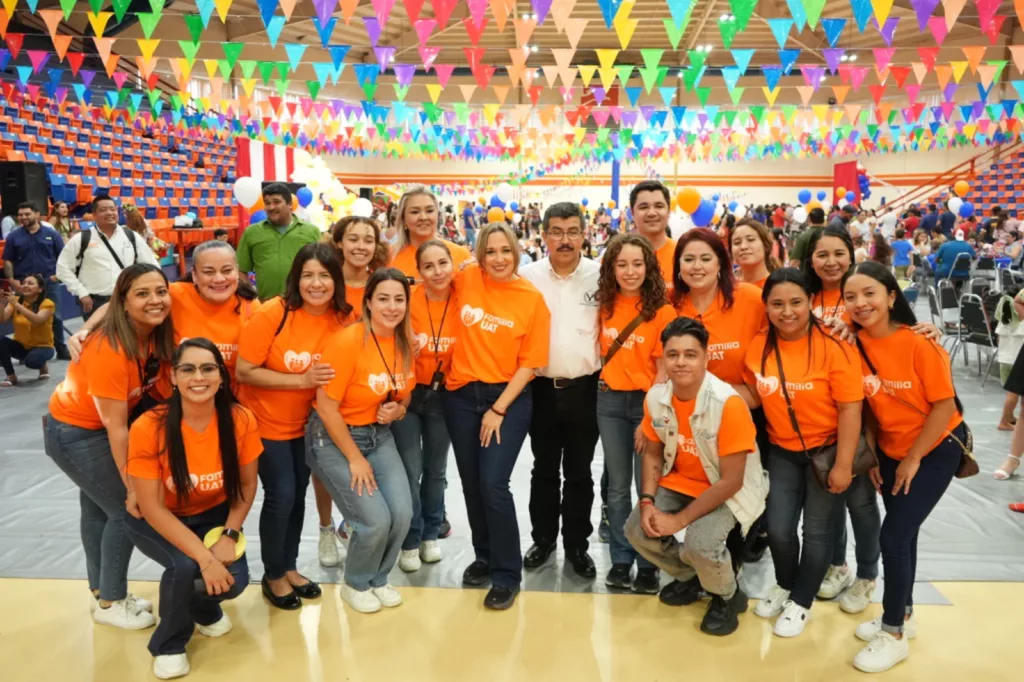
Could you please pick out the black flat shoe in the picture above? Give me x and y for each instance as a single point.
(477, 574)
(722, 617)
(647, 581)
(581, 563)
(679, 593)
(289, 602)
(537, 555)
(500, 598)
(308, 591)
(619, 577)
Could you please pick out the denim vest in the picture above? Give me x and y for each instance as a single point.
(749, 502)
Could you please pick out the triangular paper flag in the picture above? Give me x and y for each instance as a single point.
(881, 9)
(99, 21)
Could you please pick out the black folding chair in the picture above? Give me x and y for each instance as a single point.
(977, 329)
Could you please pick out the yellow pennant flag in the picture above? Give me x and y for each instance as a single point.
(881, 9)
(587, 73)
(959, 68)
(608, 76)
(99, 21)
(770, 95)
(606, 57)
(434, 90)
(222, 9)
(147, 47)
(248, 85)
(211, 67)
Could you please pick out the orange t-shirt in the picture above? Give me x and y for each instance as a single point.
(430, 321)
(736, 436)
(102, 372)
(405, 260)
(361, 382)
(147, 458)
(666, 254)
(502, 326)
(354, 297)
(830, 376)
(730, 331)
(825, 304)
(194, 317)
(633, 367)
(281, 413)
(913, 373)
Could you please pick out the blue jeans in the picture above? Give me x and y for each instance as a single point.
(33, 358)
(794, 489)
(423, 442)
(285, 477)
(862, 501)
(380, 520)
(619, 413)
(485, 474)
(182, 606)
(84, 455)
(904, 516)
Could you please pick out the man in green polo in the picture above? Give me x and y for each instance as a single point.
(269, 247)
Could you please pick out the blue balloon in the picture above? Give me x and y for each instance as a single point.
(716, 197)
(258, 217)
(514, 205)
(305, 196)
(190, 215)
(479, 209)
(851, 196)
(496, 202)
(585, 202)
(704, 213)
(821, 195)
(629, 214)
(804, 196)
(966, 210)
(733, 205)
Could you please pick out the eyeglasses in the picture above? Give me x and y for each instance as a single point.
(208, 370)
(559, 235)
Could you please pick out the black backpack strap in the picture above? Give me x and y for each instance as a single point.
(82, 246)
(131, 238)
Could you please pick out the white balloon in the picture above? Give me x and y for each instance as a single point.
(517, 218)
(362, 207)
(841, 203)
(616, 213)
(675, 223)
(800, 214)
(826, 206)
(247, 191)
(954, 205)
(740, 212)
(505, 192)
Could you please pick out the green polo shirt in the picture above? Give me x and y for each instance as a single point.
(268, 253)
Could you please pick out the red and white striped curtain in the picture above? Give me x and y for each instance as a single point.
(264, 162)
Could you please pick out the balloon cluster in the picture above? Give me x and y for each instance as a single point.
(863, 183)
(810, 201)
(957, 205)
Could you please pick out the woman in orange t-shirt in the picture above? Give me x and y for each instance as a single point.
(279, 369)
(417, 220)
(829, 257)
(192, 464)
(86, 431)
(630, 287)
(503, 331)
(750, 246)
(796, 362)
(349, 442)
(422, 436)
(362, 251)
(917, 421)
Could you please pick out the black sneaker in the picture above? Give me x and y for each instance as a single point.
(477, 575)
(648, 581)
(500, 598)
(604, 531)
(679, 593)
(620, 577)
(722, 617)
(446, 529)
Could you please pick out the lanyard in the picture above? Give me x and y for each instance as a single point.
(824, 310)
(437, 336)
(391, 376)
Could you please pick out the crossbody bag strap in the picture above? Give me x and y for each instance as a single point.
(622, 338)
(110, 249)
(789, 403)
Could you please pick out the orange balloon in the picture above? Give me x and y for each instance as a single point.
(961, 188)
(495, 215)
(509, 214)
(258, 206)
(482, 201)
(814, 203)
(689, 199)
(611, 204)
(841, 192)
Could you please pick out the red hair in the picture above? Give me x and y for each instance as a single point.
(726, 280)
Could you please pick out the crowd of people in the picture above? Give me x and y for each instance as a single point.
(739, 380)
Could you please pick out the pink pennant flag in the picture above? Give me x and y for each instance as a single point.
(425, 29)
(38, 59)
(477, 10)
(444, 72)
(986, 10)
(912, 92)
(937, 25)
(382, 8)
(993, 28)
(857, 75)
(883, 55)
(428, 55)
(120, 77)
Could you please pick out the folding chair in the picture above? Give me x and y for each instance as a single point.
(977, 330)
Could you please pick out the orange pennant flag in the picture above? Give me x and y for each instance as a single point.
(1017, 52)
(501, 91)
(524, 29)
(348, 9)
(103, 47)
(111, 63)
(287, 6)
(500, 11)
(61, 44)
(974, 56)
(840, 92)
(52, 18)
(943, 72)
(5, 18)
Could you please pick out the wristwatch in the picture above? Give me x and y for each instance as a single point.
(231, 534)
(647, 496)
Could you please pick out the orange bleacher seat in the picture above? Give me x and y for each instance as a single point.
(92, 154)
(163, 212)
(14, 155)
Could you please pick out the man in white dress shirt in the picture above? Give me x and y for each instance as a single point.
(90, 273)
(563, 432)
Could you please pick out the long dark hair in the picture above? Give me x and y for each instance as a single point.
(41, 281)
(767, 240)
(245, 291)
(883, 252)
(652, 291)
(791, 276)
(327, 256)
(726, 280)
(403, 333)
(226, 406)
(813, 281)
(902, 312)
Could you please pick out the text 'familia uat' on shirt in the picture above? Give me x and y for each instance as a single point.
(195, 317)
(435, 326)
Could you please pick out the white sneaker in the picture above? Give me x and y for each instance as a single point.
(858, 597)
(124, 614)
(361, 601)
(387, 595)
(792, 621)
(867, 632)
(771, 606)
(836, 580)
(218, 629)
(140, 603)
(327, 548)
(430, 551)
(169, 667)
(409, 560)
(882, 653)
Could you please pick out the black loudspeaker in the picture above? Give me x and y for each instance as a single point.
(21, 181)
(366, 193)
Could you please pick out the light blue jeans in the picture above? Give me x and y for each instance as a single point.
(862, 502)
(379, 521)
(423, 442)
(619, 413)
(84, 455)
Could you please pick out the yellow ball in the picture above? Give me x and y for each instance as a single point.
(689, 199)
(495, 215)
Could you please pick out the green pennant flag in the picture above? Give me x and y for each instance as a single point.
(730, 116)
(757, 112)
(624, 71)
(401, 91)
(675, 33)
(157, 6)
(96, 6)
(148, 22)
(248, 66)
(1000, 65)
(282, 70)
(232, 51)
(154, 97)
(225, 68)
(697, 59)
(651, 57)
(123, 96)
(314, 88)
(892, 116)
(742, 10)
(813, 9)
(650, 77)
(735, 94)
(461, 112)
(728, 29)
(68, 6)
(702, 95)
(188, 51)
(120, 7)
(602, 135)
(195, 26)
(788, 111)
(382, 131)
(432, 111)
(370, 89)
(282, 87)
(266, 69)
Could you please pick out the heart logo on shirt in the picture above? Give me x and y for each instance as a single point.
(611, 332)
(419, 341)
(169, 482)
(471, 315)
(378, 383)
(297, 362)
(871, 385)
(766, 385)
